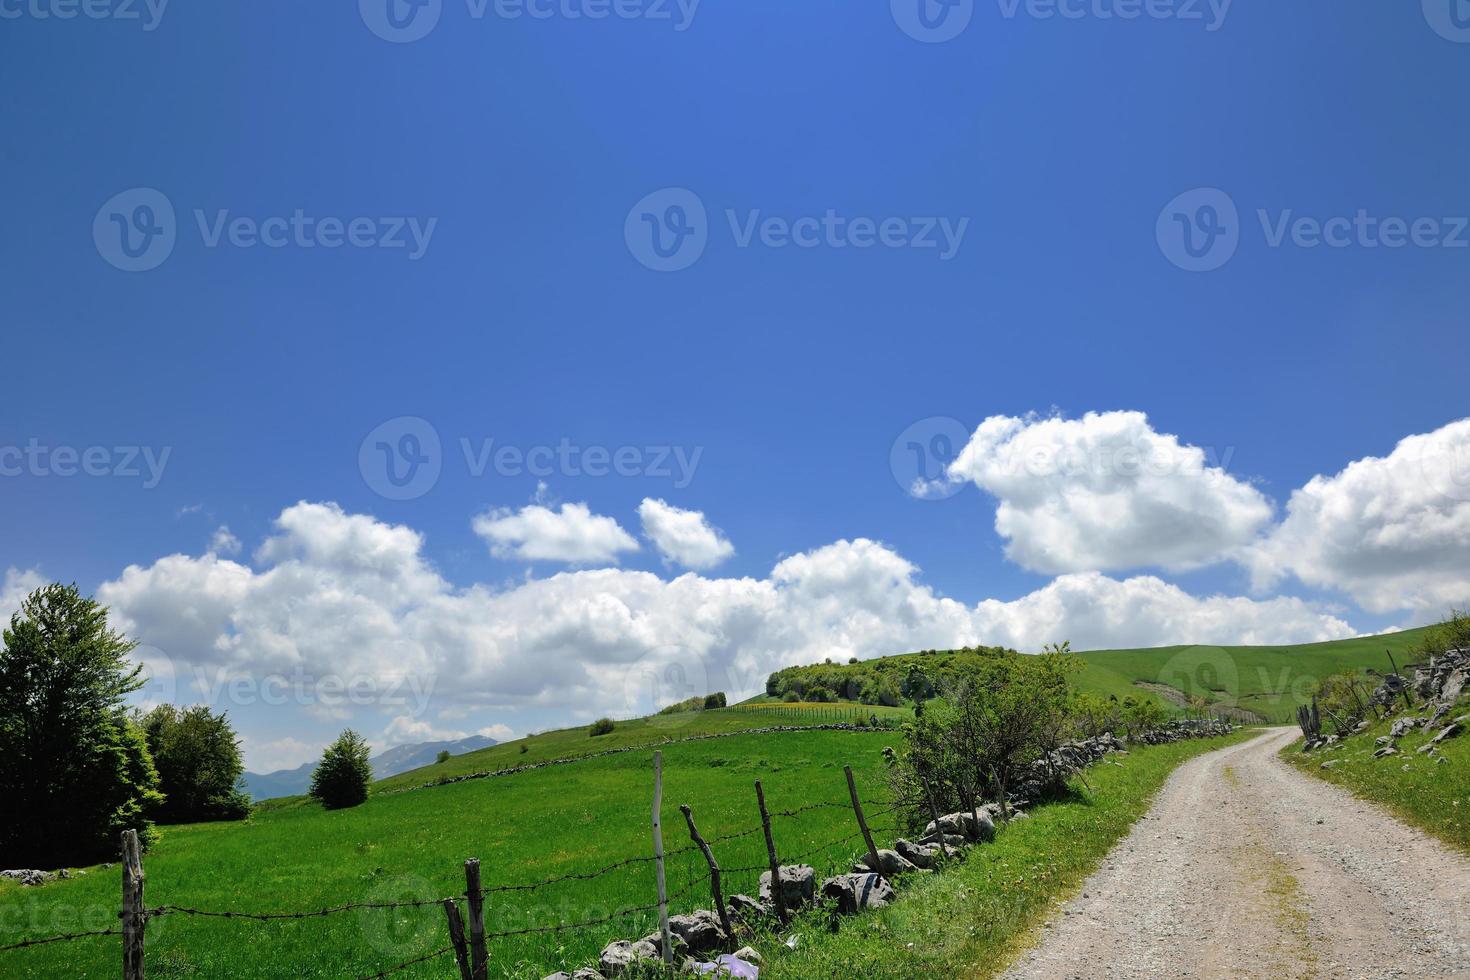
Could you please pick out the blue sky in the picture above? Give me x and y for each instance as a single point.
(1054, 149)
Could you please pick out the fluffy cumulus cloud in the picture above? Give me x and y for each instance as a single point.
(1106, 492)
(222, 542)
(338, 595)
(571, 534)
(681, 536)
(16, 585)
(1392, 532)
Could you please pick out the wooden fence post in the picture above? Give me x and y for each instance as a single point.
(658, 855)
(934, 809)
(777, 895)
(456, 937)
(857, 808)
(1408, 703)
(475, 899)
(134, 918)
(714, 871)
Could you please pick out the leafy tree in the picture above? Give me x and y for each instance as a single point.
(341, 778)
(199, 767)
(443, 756)
(602, 726)
(715, 700)
(74, 770)
(1141, 715)
(1092, 714)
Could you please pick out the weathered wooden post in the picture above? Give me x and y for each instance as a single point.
(658, 854)
(934, 809)
(857, 808)
(714, 870)
(456, 938)
(778, 897)
(1408, 702)
(475, 899)
(134, 918)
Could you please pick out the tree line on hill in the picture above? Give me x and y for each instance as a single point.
(78, 767)
(886, 681)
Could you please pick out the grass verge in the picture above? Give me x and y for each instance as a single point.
(973, 919)
(1432, 795)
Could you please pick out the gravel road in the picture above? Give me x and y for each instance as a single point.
(1247, 868)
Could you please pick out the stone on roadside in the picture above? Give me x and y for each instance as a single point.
(701, 931)
(856, 892)
(919, 855)
(798, 885)
(889, 863)
(621, 955)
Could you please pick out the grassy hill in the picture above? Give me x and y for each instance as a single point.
(1258, 683)
(565, 819)
(1268, 681)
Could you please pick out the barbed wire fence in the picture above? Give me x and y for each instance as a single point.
(468, 939)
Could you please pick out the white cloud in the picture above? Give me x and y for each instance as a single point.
(346, 596)
(222, 542)
(1106, 492)
(683, 536)
(1098, 612)
(572, 534)
(272, 755)
(16, 586)
(1392, 532)
(501, 733)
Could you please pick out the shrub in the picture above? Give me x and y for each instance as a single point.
(341, 778)
(715, 700)
(442, 757)
(524, 750)
(791, 697)
(74, 770)
(602, 726)
(982, 735)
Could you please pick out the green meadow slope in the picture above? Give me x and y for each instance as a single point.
(407, 846)
(1267, 681)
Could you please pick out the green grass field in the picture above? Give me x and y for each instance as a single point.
(527, 827)
(1268, 681)
(1424, 792)
(971, 920)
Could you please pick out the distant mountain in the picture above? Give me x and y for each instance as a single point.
(400, 758)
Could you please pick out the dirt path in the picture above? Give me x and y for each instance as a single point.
(1245, 868)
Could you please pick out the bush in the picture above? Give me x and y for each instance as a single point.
(341, 778)
(981, 736)
(442, 757)
(199, 768)
(715, 700)
(524, 750)
(1141, 715)
(791, 697)
(75, 771)
(602, 726)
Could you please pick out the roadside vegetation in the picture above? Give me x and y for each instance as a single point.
(1376, 737)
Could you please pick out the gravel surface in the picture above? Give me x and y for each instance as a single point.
(1246, 868)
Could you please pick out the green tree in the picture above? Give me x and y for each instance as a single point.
(199, 767)
(74, 769)
(341, 778)
(602, 726)
(443, 756)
